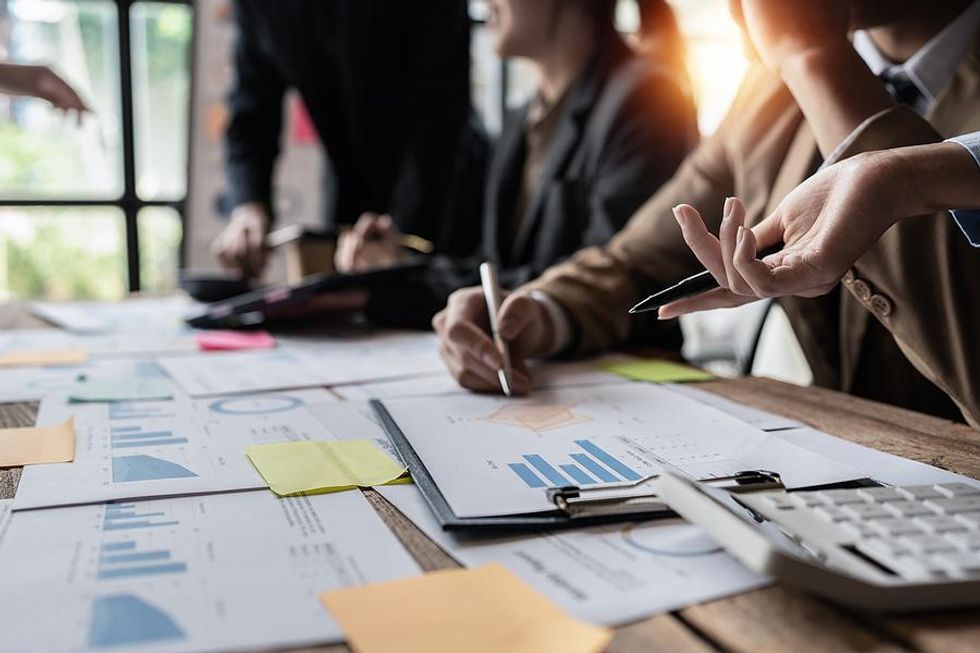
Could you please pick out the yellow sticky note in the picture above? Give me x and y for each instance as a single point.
(42, 357)
(656, 370)
(38, 444)
(322, 466)
(481, 610)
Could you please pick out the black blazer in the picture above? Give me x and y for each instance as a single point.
(387, 85)
(626, 125)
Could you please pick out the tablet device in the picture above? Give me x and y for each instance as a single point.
(250, 308)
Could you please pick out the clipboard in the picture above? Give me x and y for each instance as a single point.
(574, 506)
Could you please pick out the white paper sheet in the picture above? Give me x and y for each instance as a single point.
(545, 375)
(758, 418)
(308, 363)
(209, 573)
(159, 448)
(159, 314)
(495, 456)
(608, 575)
(877, 465)
(34, 384)
(119, 345)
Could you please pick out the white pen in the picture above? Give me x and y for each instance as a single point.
(491, 291)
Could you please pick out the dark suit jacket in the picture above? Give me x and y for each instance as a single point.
(387, 86)
(626, 125)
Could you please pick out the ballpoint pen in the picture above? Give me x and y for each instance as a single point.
(491, 292)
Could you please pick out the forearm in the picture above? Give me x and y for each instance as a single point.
(835, 90)
(936, 177)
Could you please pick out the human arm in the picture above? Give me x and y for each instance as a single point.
(251, 148)
(40, 82)
(827, 223)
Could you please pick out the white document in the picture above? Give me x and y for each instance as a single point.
(36, 383)
(208, 573)
(496, 456)
(303, 363)
(133, 344)
(883, 467)
(158, 314)
(758, 418)
(128, 450)
(544, 375)
(609, 575)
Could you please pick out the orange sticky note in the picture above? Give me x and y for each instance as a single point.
(234, 340)
(38, 444)
(481, 610)
(42, 357)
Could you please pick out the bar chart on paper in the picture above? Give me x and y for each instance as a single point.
(591, 465)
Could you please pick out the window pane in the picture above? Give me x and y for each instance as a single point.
(160, 233)
(161, 35)
(46, 154)
(62, 253)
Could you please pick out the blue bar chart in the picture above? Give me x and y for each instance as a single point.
(126, 560)
(596, 465)
(140, 409)
(125, 516)
(125, 437)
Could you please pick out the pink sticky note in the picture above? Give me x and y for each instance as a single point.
(232, 340)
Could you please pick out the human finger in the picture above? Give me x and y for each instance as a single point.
(733, 219)
(701, 241)
(710, 300)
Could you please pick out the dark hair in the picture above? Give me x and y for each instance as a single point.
(659, 35)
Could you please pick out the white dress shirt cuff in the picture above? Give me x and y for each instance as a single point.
(969, 221)
(560, 320)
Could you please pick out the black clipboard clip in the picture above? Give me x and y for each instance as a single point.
(620, 499)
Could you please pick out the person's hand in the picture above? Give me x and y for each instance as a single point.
(467, 346)
(241, 246)
(374, 242)
(43, 83)
(781, 29)
(825, 225)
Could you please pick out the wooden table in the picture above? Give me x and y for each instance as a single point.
(775, 618)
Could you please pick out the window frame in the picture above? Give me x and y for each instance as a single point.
(129, 202)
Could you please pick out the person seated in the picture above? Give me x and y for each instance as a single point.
(902, 326)
(606, 127)
(830, 220)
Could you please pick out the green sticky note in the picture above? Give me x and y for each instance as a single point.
(655, 370)
(122, 389)
(315, 466)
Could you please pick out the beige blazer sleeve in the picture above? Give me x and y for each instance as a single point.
(922, 279)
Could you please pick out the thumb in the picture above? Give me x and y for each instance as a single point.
(516, 314)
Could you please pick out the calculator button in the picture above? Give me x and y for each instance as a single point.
(953, 490)
(926, 544)
(780, 501)
(832, 513)
(907, 508)
(807, 499)
(893, 527)
(866, 511)
(881, 494)
(859, 530)
(955, 506)
(841, 497)
(968, 541)
(919, 492)
(940, 524)
(970, 520)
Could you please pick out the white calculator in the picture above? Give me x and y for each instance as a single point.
(882, 548)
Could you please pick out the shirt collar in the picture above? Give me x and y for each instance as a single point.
(933, 66)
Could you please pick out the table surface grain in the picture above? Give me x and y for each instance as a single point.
(774, 619)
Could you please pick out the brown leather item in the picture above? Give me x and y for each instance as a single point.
(903, 329)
